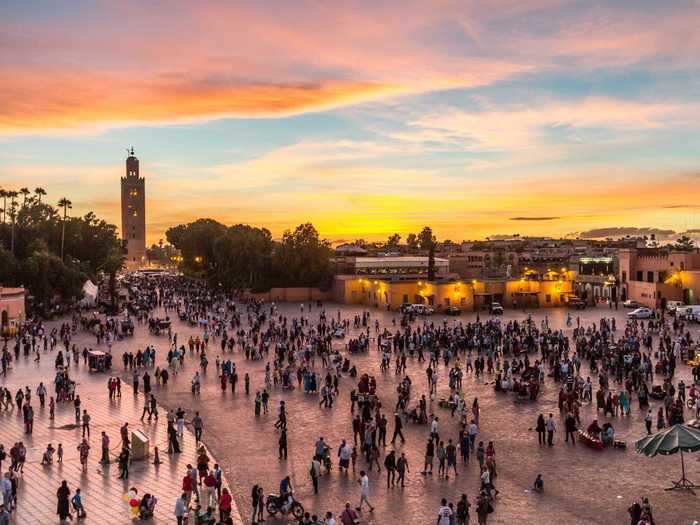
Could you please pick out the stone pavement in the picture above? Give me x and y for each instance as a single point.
(101, 489)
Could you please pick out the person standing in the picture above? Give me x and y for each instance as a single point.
(364, 491)
(315, 473)
(283, 445)
(105, 448)
(541, 429)
(551, 429)
(63, 496)
(180, 509)
(402, 468)
(648, 420)
(86, 424)
(570, 426)
(463, 510)
(84, 449)
(390, 465)
(444, 513)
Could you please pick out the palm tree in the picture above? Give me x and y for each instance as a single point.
(66, 205)
(25, 193)
(39, 192)
(4, 194)
(13, 213)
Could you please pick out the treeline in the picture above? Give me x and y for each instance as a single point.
(245, 257)
(49, 252)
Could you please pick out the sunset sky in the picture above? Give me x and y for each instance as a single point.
(365, 118)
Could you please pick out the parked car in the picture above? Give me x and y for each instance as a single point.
(405, 308)
(496, 309)
(576, 302)
(422, 309)
(641, 313)
(452, 310)
(629, 303)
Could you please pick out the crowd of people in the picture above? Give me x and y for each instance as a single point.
(601, 364)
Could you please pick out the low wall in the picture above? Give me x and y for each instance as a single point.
(293, 295)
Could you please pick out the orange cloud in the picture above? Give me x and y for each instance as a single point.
(88, 100)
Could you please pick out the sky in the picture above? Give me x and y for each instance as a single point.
(478, 118)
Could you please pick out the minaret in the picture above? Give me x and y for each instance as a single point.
(134, 213)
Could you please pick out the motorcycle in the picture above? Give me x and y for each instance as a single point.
(274, 504)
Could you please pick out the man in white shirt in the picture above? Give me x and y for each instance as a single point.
(364, 491)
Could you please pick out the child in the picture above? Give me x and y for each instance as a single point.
(78, 504)
(59, 453)
(539, 484)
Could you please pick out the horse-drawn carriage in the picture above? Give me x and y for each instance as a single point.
(126, 327)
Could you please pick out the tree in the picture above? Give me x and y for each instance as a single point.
(65, 204)
(4, 194)
(412, 241)
(426, 239)
(242, 258)
(392, 243)
(301, 258)
(13, 214)
(112, 264)
(684, 243)
(196, 244)
(427, 242)
(25, 193)
(39, 192)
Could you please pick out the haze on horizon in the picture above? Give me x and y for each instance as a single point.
(546, 117)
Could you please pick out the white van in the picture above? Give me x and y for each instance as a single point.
(689, 313)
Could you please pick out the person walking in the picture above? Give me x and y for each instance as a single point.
(364, 491)
(198, 426)
(398, 426)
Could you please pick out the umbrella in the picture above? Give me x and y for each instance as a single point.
(678, 438)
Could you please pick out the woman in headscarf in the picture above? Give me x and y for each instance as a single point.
(63, 495)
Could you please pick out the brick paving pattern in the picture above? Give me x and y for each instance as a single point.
(101, 489)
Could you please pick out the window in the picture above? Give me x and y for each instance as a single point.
(135, 213)
(134, 192)
(640, 275)
(405, 298)
(463, 301)
(547, 298)
(624, 277)
(650, 277)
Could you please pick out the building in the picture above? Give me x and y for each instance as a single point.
(134, 213)
(652, 276)
(396, 268)
(12, 309)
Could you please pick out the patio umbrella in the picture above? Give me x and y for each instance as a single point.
(678, 438)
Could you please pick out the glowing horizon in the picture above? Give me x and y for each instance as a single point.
(476, 118)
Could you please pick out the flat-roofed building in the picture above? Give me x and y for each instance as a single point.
(12, 309)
